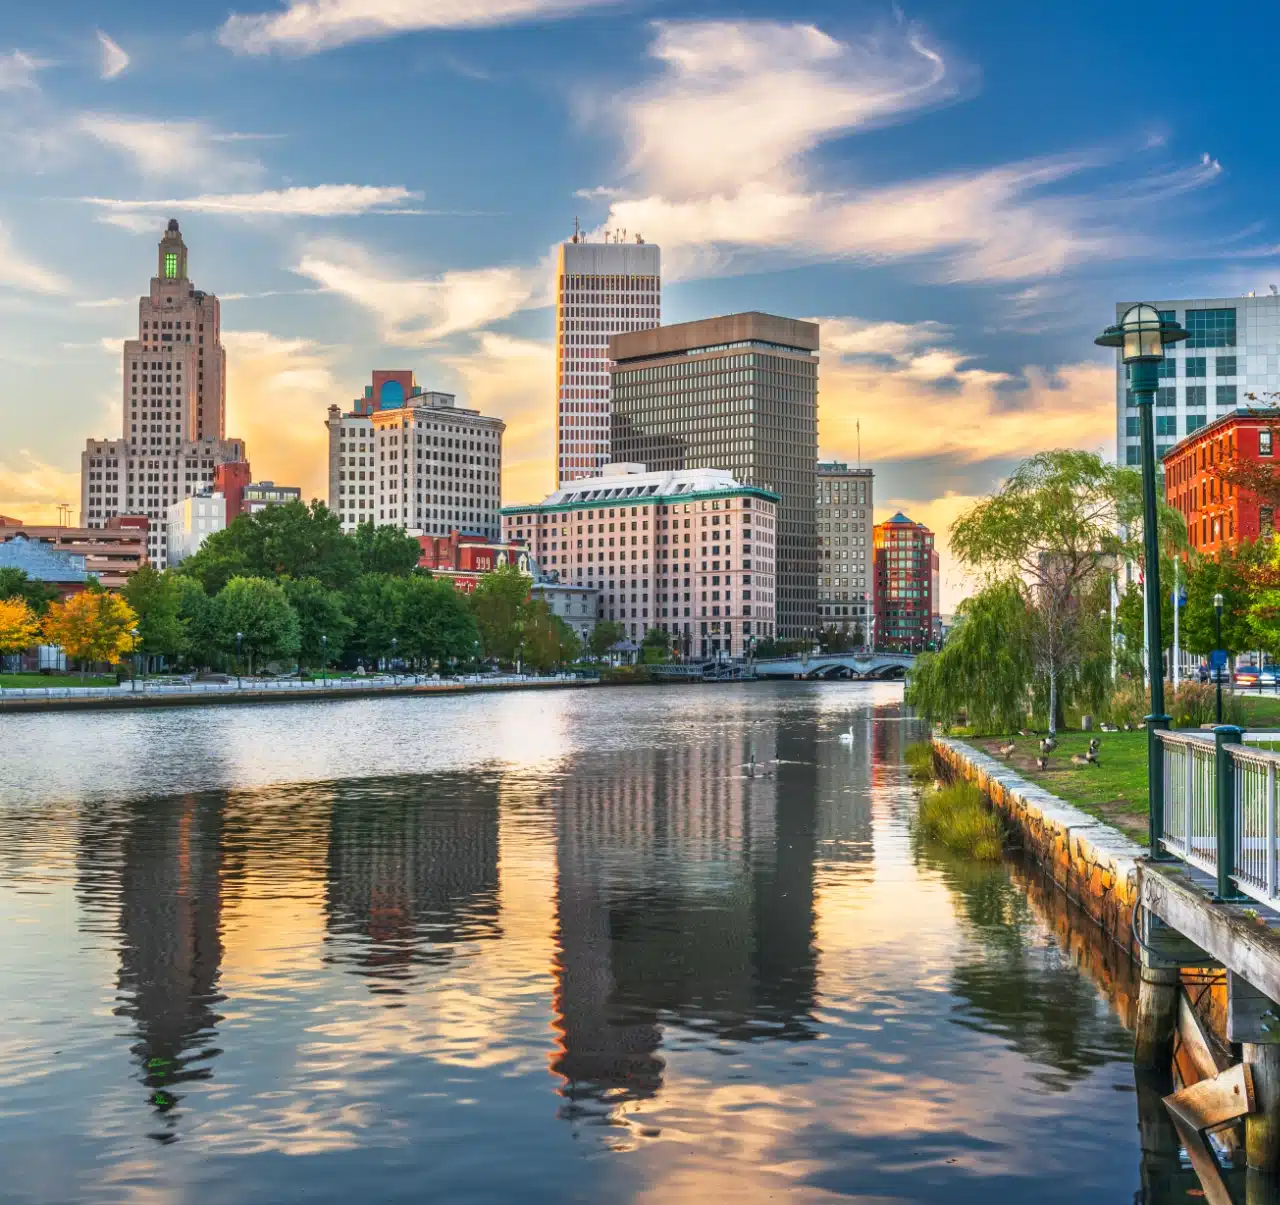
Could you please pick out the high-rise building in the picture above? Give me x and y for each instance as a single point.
(846, 564)
(691, 553)
(738, 393)
(173, 407)
(1233, 350)
(416, 460)
(906, 602)
(602, 289)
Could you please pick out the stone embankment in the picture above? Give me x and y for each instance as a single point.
(1096, 865)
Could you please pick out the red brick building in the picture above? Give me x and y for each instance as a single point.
(465, 559)
(230, 480)
(906, 595)
(1219, 515)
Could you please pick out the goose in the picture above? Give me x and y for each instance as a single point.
(1007, 750)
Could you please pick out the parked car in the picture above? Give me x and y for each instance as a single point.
(1247, 676)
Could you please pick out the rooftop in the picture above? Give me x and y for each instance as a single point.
(623, 482)
(1241, 413)
(42, 563)
(752, 327)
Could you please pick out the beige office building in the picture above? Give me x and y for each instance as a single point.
(846, 548)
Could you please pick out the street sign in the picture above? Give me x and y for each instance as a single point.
(1218, 659)
(1178, 598)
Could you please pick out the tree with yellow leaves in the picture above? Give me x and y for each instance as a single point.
(19, 627)
(92, 626)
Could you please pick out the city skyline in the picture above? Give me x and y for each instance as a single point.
(913, 183)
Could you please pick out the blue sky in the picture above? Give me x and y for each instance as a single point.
(959, 192)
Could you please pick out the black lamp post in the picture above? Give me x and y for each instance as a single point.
(395, 643)
(1141, 336)
(239, 642)
(1217, 644)
(324, 660)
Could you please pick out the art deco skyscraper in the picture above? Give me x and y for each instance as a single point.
(602, 289)
(173, 406)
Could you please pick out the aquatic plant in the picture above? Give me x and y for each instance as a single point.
(919, 758)
(957, 815)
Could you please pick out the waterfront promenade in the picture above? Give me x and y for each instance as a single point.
(266, 690)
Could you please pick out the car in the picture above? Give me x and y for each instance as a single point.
(1267, 678)
(1247, 677)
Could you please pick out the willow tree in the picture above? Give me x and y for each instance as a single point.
(1052, 533)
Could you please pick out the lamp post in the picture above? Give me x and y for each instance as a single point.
(1141, 335)
(133, 632)
(324, 660)
(1217, 644)
(239, 643)
(395, 644)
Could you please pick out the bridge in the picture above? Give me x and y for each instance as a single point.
(881, 666)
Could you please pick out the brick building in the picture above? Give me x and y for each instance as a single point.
(465, 559)
(906, 592)
(1218, 515)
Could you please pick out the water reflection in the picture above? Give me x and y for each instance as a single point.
(626, 969)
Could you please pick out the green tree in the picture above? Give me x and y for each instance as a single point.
(259, 611)
(436, 624)
(1050, 532)
(14, 583)
(834, 640)
(604, 636)
(386, 549)
(323, 626)
(198, 614)
(985, 670)
(496, 605)
(156, 599)
(548, 640)
(373, 604)
(1233, 574)
(655, 646)
(294, 540)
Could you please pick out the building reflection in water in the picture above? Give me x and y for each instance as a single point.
(684, 898)
(413, 872)
(159, 862)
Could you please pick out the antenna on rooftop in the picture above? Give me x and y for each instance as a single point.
(1274, 290)
(576, 236)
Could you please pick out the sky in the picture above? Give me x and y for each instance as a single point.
(958, 192)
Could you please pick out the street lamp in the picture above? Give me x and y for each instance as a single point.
(133, 632)
(1141, 336)
(395, 643)
(1217, 649)
(324, 660)
(239, 642)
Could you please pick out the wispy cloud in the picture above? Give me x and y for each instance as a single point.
(414, 311)
(114, 58)
(18, 271)
(308, 26)
(167, 149)
(318, 201)
(18, 70)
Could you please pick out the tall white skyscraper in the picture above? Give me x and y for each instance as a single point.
(1233, 349)
(602, 289)
(174, 402)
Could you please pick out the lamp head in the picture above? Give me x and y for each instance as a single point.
(1141, 334)
(1217, 602)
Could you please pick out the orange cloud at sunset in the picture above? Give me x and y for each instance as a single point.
(31, 490)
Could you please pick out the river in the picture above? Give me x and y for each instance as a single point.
(553, 947)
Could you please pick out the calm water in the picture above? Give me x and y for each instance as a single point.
(532, 948)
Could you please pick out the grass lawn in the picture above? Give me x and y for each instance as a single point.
(37, 681)
(1115, 790)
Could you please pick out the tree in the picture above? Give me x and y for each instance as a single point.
(373, 605)
(1235, 574)
(985, 669)
(435, 622)
(14, 583)
(19, 627)
(655, 646)
(604, 636)
(548, 640)
(294, 540)
(198, 614)
(1051, 531)
(496, 606)
(323, 626)
(833, 640)
(156, 599)
(91, 627)
(259, 611)
(386, 549)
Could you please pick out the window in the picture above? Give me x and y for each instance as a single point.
(1211, 328)
(1167, 369)
(1225, 366)
(1196, 366)
(1195, 422)
(1266, 520)
(170, 265)
(1166, 424)
(1226, 395)
(1131, 455)
(1197, 396)
(1264, 443)
(1167, 396)
(1131, 425)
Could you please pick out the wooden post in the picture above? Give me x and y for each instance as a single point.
(1157, 1016)
(1253, 1020)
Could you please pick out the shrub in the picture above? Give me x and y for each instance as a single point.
(958, 817)
(1128, 704)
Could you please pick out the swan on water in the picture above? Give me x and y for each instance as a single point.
(846, 738)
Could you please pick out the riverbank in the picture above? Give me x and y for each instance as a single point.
(202, 694)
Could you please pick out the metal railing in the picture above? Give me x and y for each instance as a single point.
(1220, 807)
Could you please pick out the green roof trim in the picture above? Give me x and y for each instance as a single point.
(753, 491)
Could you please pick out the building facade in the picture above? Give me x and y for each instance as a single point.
(415, 459)
(906, 591)
(846, 566)
(578, 606)
(738, 393)
(465, 559)
(1233, 350)
(690, 552)
(112, 554)
(602, 289)
(63, 571)
(260, 495)
(1218, 515)
(192, 521)
(174, 407)
(231, 479)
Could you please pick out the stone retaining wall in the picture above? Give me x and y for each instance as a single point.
(1096, 865)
